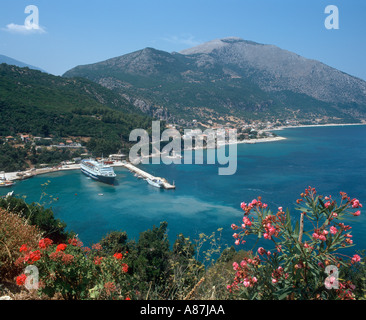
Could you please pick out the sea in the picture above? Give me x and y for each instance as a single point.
(329, 158)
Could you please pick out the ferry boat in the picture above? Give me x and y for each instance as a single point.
(98, 171)
(155, 182)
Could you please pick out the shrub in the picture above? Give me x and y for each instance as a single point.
(293, 268)
(14, 231)
(38, 216)
(76, 272)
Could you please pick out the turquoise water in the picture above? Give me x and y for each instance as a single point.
(332, 159)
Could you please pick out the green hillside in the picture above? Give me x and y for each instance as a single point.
(44, 105)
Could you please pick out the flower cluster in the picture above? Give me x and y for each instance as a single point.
(256, 203)
(301, 260)
(29, 256)
(61, 256)
(75, 272)
(279, 274)
(245, 274)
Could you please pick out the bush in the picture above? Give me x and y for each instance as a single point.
(14, 231)
(76, 272)
(293, 268)
(39, 216)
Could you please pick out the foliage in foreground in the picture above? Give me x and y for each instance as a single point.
(301, 260)
(294, 268)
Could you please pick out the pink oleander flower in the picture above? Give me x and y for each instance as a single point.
(237, 242)
(356, 258)
(274, 281)
(357, 213)
(272, 231)
(235, 266)
(246, 221)
(356, 203)
(246, 283)
(243, 205)
(327, 204)
(333, 230)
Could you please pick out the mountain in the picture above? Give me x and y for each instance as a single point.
(42, 105)
(11, 61)
(228, 80)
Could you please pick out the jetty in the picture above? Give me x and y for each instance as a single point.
(34, 172)
(146, 175)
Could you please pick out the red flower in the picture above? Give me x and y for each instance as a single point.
(61, 247)
(97, 246)
(110, 287)
(98, 260)
(67, 258)
(21, 279)
(75, 242)
(124, 267)
(35, 256)
(45, 243)
(32, 257)
(118, 256)
(23, 248)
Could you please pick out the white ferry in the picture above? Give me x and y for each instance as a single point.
(98, 171)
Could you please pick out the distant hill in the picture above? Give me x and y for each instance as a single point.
(42, 104)
(11, 61)
(230, 79)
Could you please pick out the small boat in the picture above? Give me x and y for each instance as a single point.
(6, 183)
(155, 182)
(100, 194)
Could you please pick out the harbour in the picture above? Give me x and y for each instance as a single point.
(13, 176)
(204, 201)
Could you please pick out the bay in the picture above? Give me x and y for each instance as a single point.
(331, 159)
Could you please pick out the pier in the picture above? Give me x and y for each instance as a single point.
(146, 175)
(34, 172)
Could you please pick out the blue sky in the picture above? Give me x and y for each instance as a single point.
(81, 32)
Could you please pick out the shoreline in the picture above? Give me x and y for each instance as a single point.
(27, 174)
(317, 125)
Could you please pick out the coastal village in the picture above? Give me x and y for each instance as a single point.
(77, 146)
(255, 132)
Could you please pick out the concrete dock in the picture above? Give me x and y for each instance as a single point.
(146, 175)
(31, 173)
